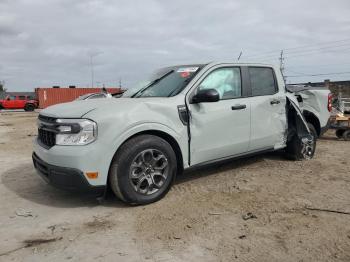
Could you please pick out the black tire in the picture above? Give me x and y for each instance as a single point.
(1, 107)
(346, 135)
(29, 107)
(294, 149)
(339, 133)
(120, 173)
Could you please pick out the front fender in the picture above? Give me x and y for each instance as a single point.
(119, 139)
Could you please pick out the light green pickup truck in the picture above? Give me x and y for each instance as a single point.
(185, 116)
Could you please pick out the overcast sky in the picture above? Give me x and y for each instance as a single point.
(49, 42)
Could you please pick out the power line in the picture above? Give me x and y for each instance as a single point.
(306, 52)
(314, 53)
(323, 74)
(323, 65)
(299, 47)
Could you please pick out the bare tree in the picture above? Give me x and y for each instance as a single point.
(2, 86)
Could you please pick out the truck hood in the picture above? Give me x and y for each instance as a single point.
(75, 109)
(78, 109)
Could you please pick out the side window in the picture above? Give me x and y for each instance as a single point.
(262, 81)
(21, 97)
(12, 97)
(227, 81)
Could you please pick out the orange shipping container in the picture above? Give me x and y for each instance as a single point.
(51, 96)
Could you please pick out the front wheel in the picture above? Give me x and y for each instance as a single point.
(143, 169)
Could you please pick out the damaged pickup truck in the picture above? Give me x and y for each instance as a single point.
(185, 116)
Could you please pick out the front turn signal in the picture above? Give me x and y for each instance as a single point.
(92, 175)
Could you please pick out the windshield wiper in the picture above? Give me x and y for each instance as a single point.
(138, 93)
(181, 87)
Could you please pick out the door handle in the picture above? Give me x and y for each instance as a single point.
(238, 107)
(274, 102)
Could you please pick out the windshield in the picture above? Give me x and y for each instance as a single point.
(165, 82)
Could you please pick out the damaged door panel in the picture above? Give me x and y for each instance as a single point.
(300, 142)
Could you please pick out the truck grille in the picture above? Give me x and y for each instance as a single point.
(48, 138)
(47, 131)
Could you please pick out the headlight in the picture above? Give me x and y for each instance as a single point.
(75, 132)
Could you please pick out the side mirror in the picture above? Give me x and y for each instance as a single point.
(207, 95)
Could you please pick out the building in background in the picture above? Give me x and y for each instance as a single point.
(49, 96)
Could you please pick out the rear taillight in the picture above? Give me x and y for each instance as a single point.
(329, 105)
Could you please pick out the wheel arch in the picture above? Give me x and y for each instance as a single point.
(313, 119)
(167, 137)
(162, 134)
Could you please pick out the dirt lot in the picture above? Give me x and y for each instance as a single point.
(201, 219)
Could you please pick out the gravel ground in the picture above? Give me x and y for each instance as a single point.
(204, 217)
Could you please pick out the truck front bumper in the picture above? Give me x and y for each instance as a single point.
(64, 178)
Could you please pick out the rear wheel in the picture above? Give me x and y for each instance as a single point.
(29, 107)
(302, 148)
(346, 135)
(339, 133)
(143, 170)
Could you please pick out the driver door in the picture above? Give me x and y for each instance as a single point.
(220, 129)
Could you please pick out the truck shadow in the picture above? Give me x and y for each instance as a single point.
(226, 165)
(26, 184)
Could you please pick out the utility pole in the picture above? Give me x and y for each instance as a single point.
(281, 58)
(120, 82)
(92, 71)
(92, 55)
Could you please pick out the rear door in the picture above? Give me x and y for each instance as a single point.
(220, 129)
(268, 112)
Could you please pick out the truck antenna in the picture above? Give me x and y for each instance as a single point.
(239, 57)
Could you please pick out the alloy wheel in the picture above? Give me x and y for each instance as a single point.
(149, 171)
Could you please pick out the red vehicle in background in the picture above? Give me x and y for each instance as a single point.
(19, 102)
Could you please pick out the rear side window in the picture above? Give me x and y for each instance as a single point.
(262, 81)
(21, 97)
